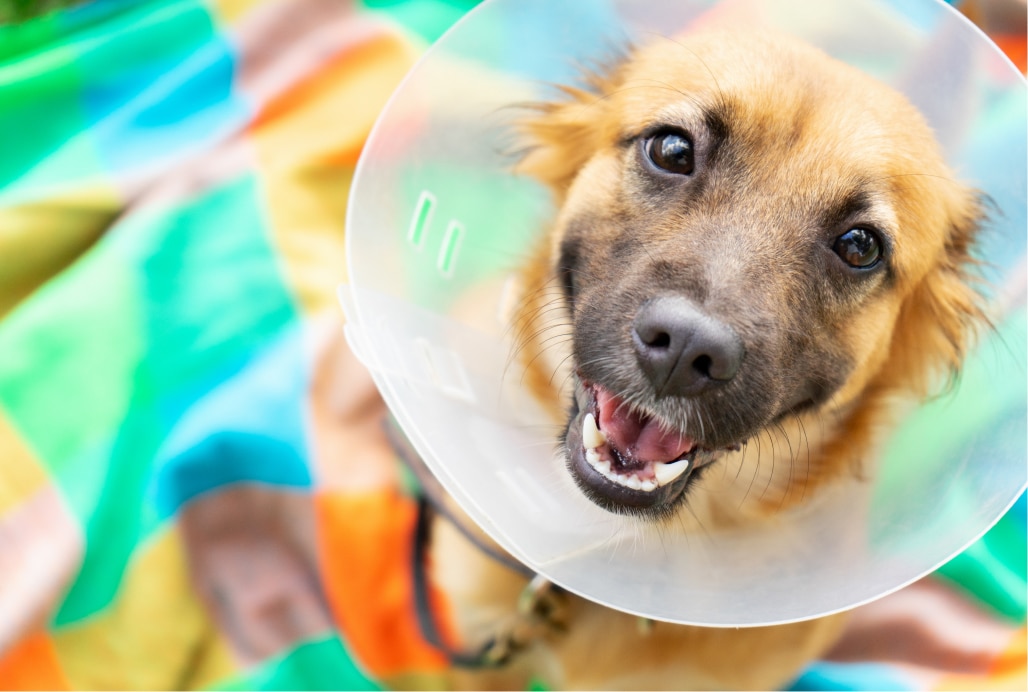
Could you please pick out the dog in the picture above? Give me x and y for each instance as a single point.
(758, 251)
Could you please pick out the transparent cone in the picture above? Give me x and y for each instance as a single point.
(438, 223)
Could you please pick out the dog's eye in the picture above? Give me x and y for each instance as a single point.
(672, 152)
(858, 247)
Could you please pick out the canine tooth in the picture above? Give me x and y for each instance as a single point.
(591, 435)
(666, 473)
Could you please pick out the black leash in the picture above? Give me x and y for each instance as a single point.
(430, 489)
(540, 606)
(482, 658)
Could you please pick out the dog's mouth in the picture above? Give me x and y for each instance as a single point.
(628, 461)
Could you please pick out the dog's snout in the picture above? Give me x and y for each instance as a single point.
(682, 350)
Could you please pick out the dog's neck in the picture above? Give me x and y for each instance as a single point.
(602, 648)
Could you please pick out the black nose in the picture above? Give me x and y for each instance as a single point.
(681, 350)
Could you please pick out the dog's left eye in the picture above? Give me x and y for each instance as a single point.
(859, 248)
(672, 152)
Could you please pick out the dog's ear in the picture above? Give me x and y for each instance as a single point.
(560, 136)
(939, 320)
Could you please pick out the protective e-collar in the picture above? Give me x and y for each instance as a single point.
(437, 221)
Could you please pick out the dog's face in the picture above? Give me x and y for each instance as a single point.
(749, 233)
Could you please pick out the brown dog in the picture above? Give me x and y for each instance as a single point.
(757, 250)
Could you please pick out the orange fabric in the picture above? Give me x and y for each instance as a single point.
(307, 140)
(358, 81)
(1016, 48)
(365, 544)
(32, 665)
(1006, 673)
(1012, 661)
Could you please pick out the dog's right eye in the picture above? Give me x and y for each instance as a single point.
(672, 152)
(859, 248)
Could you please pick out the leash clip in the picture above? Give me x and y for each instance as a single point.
(543, 602)
(541, 605)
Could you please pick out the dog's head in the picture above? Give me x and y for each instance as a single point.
(749, 233)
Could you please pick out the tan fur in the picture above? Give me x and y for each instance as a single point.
(821, 126)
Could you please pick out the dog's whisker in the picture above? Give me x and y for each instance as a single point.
(542, 352)
(534, 337)
(756, 467)
(792, 464)
(806, 473)
(774, 455)
(527, 320)
(560, 366)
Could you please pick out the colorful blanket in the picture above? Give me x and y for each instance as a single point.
(185, 443)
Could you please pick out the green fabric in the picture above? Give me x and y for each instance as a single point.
(132, 347)
(429, 19)
(22, 10)
(42, 88)
(992, 571)
(315, 665)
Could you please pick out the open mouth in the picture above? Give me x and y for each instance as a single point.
(625, 460)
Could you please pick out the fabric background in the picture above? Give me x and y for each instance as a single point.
(194, 490)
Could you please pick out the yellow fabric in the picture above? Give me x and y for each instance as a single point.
(21, 475)
(308, 146)
(179, 650)
(70, 221)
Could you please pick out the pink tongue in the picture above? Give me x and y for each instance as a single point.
(637, 437)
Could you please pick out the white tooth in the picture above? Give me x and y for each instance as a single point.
(666, 473)
(592, 456)
(591, 435)
(634, 483)
(649, 485)
(603, 467)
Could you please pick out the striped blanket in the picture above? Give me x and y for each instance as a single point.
(185, 443)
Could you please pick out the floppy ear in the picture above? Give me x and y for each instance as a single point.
(939, 320)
